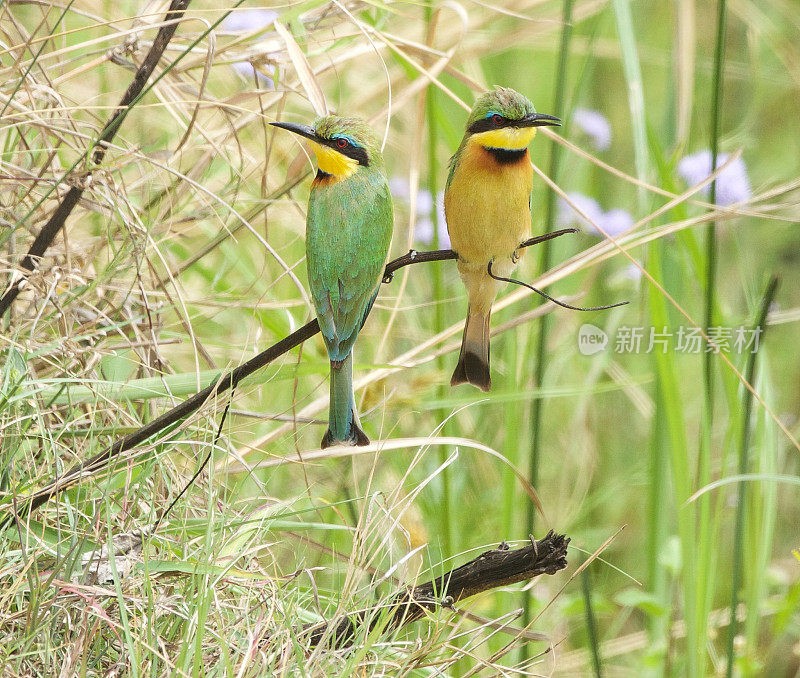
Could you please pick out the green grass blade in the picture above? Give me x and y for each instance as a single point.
(741, 496)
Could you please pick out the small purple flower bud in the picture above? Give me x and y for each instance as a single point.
(732, 183)
(567, 215)
(595, 125)
(444, 236)
(424, 231)
(399, 188)
(248, 71)
(615, 222)
(424, 201)
(632, 272)
(249, 20)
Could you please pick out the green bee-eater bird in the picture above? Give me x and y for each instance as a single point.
(348, 231)
(488, 212)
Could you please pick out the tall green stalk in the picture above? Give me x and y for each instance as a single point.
(706, 555)
(446, 531)
(741, 495)
(544, 264)
(513, 444)
(711, 244)
(633, 76)
(670, 439)
(546, 254)
(591, 623)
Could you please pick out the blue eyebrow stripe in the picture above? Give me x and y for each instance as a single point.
(348, 138)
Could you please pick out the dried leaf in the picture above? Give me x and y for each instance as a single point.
(97, 564)
(304, 72)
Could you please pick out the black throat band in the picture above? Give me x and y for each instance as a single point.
(505, 156)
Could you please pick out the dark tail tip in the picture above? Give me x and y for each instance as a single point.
(355, 437)
(471, 369)
(360, 437)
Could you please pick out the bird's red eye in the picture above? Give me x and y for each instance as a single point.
(497, 119)
(341, 143)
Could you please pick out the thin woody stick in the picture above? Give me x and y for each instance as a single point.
(56, 222)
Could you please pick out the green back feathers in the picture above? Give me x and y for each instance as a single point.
(349, 228)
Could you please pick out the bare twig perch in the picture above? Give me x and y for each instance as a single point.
(498, 567)
(224, 383)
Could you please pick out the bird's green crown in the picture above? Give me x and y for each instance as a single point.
(352, 137)
(501, 101)
(503, 122)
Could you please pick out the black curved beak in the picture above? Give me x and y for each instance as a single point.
(303, 130)
(539, 120)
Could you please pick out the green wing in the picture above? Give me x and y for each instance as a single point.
(349, 228)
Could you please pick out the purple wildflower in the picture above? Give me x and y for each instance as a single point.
(568, 215)
(248, 71)
(632, 272)
(249, 20)
(595, 125)
(424, 208)
(732, 183)
(252, 21)
(613, 223)
(444, 236)
(399, 188)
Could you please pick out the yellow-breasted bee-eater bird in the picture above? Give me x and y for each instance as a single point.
(488, 212)
(348, 231)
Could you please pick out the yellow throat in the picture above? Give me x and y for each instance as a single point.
(507, 138)
(332, 162)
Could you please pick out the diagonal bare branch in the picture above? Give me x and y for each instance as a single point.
(56, 222)
(227, 381)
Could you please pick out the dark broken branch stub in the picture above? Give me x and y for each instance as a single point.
(498, 567)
